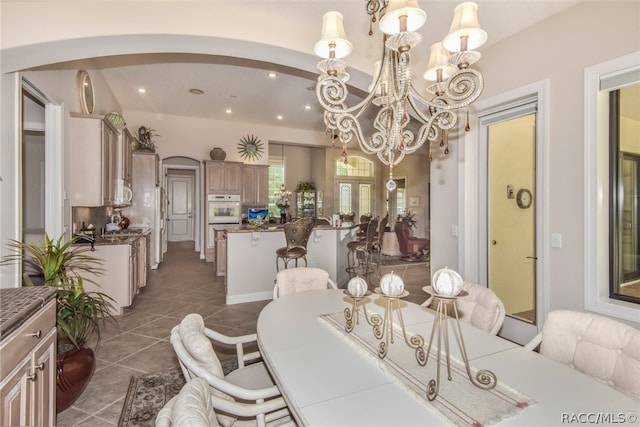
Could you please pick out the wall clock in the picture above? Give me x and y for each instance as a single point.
(85, 92)
(250, 148)
(524, 198)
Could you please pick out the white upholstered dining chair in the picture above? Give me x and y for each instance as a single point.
(481, 308)
(245, 396)
(191, 407)
(598, 346)
(301, 279)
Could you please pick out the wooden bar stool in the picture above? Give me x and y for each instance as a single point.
(359, 252)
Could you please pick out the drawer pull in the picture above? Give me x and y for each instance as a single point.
(32, 377)
(40, 366)
(36, 334)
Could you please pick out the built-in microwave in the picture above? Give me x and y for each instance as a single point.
(122, 194)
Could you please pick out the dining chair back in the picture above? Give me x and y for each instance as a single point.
(191, 407)
(301, 279)
(244, 395)
(481, 307)
(598, 346)
(296, 234)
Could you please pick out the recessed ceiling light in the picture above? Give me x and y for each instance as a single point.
(142, 90)
(307, 107)
(272, 75)
(228, 111)
(196, 91)
(279, 117)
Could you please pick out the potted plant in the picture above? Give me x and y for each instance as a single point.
(79, 313)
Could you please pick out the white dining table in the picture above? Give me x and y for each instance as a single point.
(327, 381)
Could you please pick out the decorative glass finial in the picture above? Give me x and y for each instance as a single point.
(391, 185)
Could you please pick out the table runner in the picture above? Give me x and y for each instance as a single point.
(459, 402)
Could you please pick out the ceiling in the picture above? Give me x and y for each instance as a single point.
(242, 85)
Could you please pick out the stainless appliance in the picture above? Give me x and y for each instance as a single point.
(224, 209)
(123, 194)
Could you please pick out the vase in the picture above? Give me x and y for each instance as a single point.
(74, 369)
(217, 154)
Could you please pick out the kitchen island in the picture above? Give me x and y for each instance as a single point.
(251, 258)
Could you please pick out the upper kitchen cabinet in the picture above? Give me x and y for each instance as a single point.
(100, 154)
(255, 185)
(223, 177)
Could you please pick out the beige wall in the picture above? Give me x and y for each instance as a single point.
(559, 49)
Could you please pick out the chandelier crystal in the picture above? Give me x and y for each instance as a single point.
(454, 85)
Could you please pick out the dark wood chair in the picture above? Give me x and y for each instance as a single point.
(411, 247)
(359, 252)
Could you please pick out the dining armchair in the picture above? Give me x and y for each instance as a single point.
(598, 346)
(245, 396)
(301, 279)
(191, 407)
(481, 307)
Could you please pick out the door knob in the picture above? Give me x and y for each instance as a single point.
(493, 243)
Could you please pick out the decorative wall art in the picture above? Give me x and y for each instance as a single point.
(250, 147)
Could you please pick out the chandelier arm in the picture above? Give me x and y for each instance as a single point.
(461, 77)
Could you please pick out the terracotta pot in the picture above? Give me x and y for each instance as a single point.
(74, 369)
(217, 154)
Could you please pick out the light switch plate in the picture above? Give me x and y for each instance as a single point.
(556, 240)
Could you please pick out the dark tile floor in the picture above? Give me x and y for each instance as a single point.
(140, 344)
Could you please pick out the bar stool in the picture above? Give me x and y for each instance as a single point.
(359, 252)
(297, 235)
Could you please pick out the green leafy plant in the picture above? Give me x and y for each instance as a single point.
(408, 217)
(62, 265)
(306, 186)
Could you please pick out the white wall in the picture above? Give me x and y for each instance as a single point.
(558, 49)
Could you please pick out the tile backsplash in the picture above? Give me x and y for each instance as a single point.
(98, 217)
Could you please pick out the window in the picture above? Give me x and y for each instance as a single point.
(624, 188)
(276, 179)
(355, 166)
(600, 80)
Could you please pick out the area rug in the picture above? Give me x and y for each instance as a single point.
(148, 393)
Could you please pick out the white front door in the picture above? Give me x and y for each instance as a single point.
(180, 208)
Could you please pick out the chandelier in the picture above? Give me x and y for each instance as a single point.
(454, 86)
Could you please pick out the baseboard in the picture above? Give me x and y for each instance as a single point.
(257, 296)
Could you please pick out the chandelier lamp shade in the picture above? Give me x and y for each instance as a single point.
(453, 85)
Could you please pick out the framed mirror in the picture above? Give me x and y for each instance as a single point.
(85, 92)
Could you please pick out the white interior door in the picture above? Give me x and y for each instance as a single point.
(180, 209)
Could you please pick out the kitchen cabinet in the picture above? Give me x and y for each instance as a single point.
(255, 185)
(223, 177)
(140, 265)
(221, 252)
(101, 161)
(93, 150)
(306, 203)
(118, 276)
(28, 371)
(210, 247)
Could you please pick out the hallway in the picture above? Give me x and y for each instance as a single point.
(183, 284)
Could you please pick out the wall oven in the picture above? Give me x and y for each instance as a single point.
(224, 209)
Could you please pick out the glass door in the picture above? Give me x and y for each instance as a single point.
(355, 197)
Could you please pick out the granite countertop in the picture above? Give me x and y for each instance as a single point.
(279, 227)
(18, 304)
(117, 239)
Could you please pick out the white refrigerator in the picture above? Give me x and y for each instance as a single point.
(147, 207)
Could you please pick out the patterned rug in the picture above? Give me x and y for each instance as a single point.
(148, 393)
